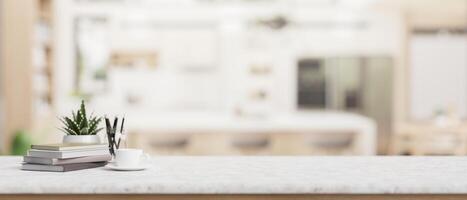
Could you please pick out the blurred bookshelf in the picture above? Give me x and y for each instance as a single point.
(43, 70)
(43, 58)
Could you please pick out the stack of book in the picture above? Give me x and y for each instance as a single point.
(66, 157)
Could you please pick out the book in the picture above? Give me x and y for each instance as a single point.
(62, 168)
(66, 154)
(57, 161)
(68, 146)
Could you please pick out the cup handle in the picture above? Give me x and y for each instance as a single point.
(145, 158)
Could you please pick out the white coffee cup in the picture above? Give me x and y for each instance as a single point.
(126, 157)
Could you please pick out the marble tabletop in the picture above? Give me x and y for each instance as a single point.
(250, 175)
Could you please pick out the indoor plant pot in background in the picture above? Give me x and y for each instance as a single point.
(79, 128)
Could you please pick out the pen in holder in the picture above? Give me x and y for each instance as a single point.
(112, 135)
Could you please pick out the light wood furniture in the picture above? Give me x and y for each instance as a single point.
(26, 42)
(429, 15)
(429, 139)
(311, 143)
(44, 34)
(281, 134)
(16, 57)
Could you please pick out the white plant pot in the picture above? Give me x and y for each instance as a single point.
(81, 139)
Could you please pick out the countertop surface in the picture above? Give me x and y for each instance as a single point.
(251, 175)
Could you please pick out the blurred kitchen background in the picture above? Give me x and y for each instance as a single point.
(241, 77)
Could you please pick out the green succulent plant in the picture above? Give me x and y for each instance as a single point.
(80, 124)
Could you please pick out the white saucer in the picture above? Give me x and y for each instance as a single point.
(112, 166)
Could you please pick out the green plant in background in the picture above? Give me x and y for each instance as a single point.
(21, 143)
(80, 124)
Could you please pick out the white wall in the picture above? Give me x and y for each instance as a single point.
(438, 75)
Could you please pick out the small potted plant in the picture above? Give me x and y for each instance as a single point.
(79, 128)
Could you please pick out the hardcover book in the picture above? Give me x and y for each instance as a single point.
(57, 161)
(62, 168)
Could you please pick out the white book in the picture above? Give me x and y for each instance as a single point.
(66, 154)
(68, 146)
(58, 161)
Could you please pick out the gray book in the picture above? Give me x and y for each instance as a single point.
(66, 154)
(58, 161)
(62, 168)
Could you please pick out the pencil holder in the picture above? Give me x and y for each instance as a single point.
(114, 138)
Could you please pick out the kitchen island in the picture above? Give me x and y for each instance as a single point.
(175, 125)
(181, 177)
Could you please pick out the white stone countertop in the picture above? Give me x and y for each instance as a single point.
(251, 175)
